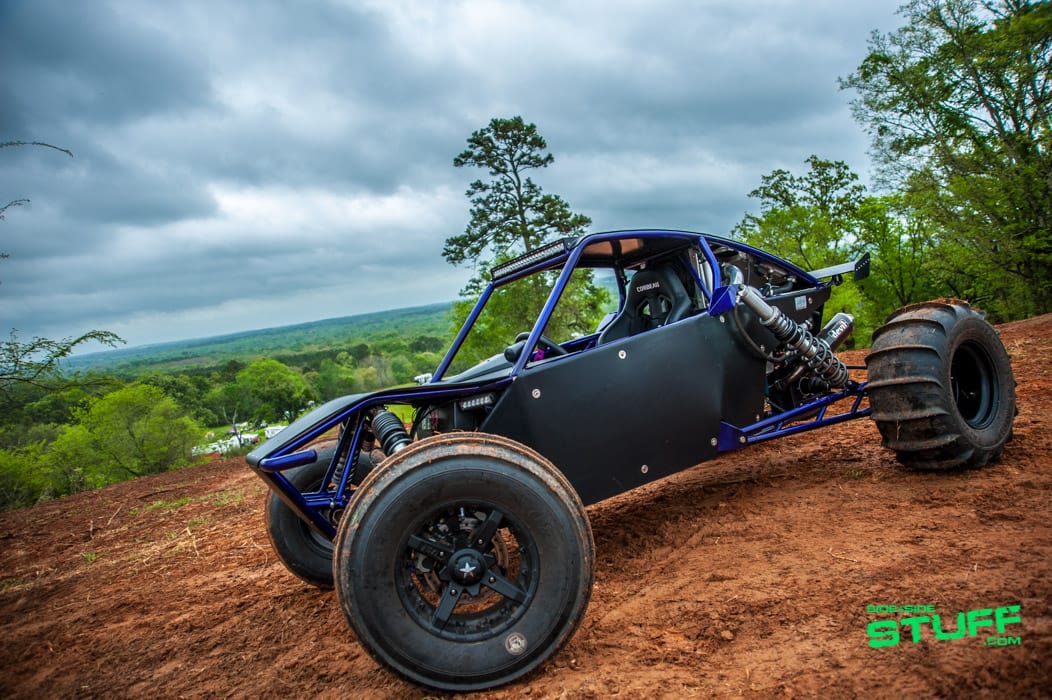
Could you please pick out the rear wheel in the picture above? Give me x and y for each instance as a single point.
(304, 551)
(464, 562)
(941, 386)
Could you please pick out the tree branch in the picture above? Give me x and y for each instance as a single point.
(7, 144)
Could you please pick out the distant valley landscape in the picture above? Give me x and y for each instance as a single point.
(283, 342)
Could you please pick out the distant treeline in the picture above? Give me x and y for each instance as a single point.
(300, 344)
(117, 415)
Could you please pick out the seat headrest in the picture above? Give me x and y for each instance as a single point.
(657, 281)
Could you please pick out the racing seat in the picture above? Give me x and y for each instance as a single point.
(656, 297)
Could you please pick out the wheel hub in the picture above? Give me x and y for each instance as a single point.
(467, 567)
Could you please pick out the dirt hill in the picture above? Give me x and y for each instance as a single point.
(746, 576)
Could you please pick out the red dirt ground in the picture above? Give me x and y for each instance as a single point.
(746, 576)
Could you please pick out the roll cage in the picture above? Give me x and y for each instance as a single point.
(701, 256)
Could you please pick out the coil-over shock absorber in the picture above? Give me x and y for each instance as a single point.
(813, 351)
(389, 431)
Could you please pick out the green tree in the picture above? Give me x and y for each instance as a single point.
(510, 215)
(22, 476)
(275, 392)
(824, 217)
(39, 361)
(131, 432)
(381, 374)
(904, 250)
(959, 104)
(228, 372)
(26, 412)
(187, 391)
(61, 405)
(425, 362)
(510, 209)
(513, 309)
(360, 351)
(228, 401)
(809, 219)
(335, 379)
(427, 343)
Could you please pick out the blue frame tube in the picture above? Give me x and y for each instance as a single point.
(464, 330)
(733, 437)
(351, 450)
(717, 274)
(409, 396)
(298, 502)
(549, 306)
(569, 263)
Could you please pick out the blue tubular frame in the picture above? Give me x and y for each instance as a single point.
(801, 420)
(309, 505)
(284, 457)
(568, 261)
(717, 274)
(464, 330)
(280, 453)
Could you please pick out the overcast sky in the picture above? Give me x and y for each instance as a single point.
(242, 165)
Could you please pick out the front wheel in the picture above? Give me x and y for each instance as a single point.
(465, 562)
(941, 386)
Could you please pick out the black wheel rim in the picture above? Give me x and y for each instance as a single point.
(974, 385)
(468, 572)
(318, 543)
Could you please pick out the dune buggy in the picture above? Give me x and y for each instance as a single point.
(450, 516)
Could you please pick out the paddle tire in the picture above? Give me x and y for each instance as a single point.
(941, 386)
(464, 562)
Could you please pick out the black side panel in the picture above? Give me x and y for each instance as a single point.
(801, 305)
(611, 422)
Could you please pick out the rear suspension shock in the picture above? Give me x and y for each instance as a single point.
(813, 351)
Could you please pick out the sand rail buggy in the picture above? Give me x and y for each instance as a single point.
(450, 517)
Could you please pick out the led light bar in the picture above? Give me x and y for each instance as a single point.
(477, 402)
(537, 255)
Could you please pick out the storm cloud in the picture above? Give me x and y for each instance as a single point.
(244, 165)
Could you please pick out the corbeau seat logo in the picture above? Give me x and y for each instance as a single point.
(651, 285)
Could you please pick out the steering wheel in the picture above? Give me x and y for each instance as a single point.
(549, 346)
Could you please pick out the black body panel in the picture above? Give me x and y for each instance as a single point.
(654, 399)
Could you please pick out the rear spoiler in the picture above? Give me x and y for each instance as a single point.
(859, 270)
